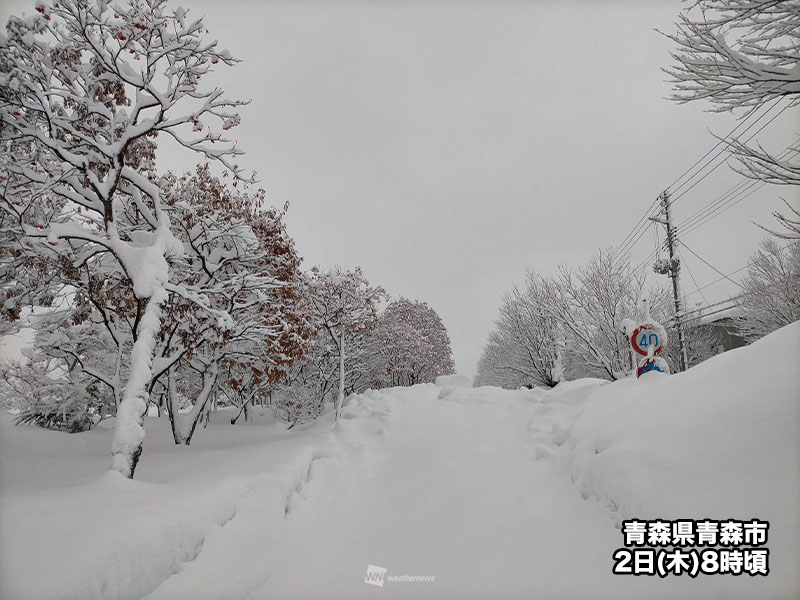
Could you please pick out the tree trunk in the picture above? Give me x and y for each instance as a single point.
(244, 410)
(183, 426)
(172, 404)
(126, 445)
(340, 396)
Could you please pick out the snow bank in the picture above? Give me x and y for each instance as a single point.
(451, 383)
(70, 529)
(719, 441)
(455, 381)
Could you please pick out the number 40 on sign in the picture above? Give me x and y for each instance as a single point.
(644, 337)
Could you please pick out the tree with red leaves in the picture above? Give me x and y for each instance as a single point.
(240, 259)
(85, 88)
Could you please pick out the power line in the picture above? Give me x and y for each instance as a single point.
(715, 146)
(723, 150)
(702, 311)
(715, 208)
(739, 270)
(711, 266)
(642, 232)
(722, 208)
(734, 299)
(732, 302)
(713, 312)
(636, 233)
(726, 201)
(728, 196)
(739, 192)
(692, 276)
(698, 214)
(624, 245)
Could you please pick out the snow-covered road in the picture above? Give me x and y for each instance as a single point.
(462, 489)
(455, 494)
(493, 493)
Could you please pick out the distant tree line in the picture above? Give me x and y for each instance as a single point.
(567, 326)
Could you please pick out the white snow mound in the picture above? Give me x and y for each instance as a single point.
(454, 381)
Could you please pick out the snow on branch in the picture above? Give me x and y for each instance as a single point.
(737, 53)
(758, 164)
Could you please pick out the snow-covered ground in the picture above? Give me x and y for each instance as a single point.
(492, 493)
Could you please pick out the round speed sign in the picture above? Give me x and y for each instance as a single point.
(645, 336)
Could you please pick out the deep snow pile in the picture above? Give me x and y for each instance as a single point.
(455, 381)
(719, 441)
(69, 528)
(450, 383)
(494, 493)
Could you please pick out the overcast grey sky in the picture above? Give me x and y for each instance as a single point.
(445, 146)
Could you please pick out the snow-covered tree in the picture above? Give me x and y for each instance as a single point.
(541, 338)
(569, 325)
(740, 55)
(528, 343)
(83, 312)
(295, 403)
(413, 344)
(309, 383)
(85, 88)
(500, 365)
(345, 307)
(790, 222)
(590, 303)
(771, 295)
(240, 259)
(737, 53)
(52, 395)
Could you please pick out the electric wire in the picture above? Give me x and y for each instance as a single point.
(688, 270)
(723, 150)
(708, 264)
(635, 234)
(715, 146)
(725, 207)
(708, 285)
(739, 270)
(728, 195)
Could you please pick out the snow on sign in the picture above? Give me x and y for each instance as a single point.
(649, 365)
(644, 337)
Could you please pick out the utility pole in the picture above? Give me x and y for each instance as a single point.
(672, 267)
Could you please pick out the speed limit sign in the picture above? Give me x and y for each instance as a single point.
(644, 337)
